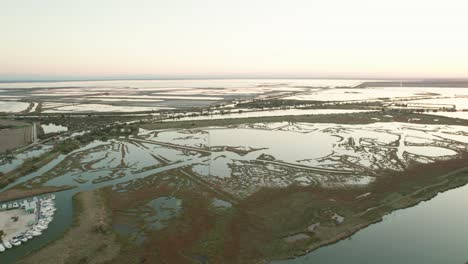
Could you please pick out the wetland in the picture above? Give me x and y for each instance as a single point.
(309, 183)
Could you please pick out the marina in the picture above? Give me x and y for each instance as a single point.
(21, 221)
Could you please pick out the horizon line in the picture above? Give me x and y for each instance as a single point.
(122, 78)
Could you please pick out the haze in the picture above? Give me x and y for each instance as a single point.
(245, 38)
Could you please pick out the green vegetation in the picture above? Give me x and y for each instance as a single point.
(354, 118)
(102, 134)
(67, 146)
(282, 103)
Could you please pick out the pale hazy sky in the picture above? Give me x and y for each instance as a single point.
(264, 38)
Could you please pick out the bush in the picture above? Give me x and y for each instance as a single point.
(68, 146)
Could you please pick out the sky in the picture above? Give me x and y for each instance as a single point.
(61, 39)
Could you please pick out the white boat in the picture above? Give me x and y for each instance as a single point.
(7, 244)
(36, 233)
(52, 196)
(23, 238)
(15, 242)
(44, 223)
(39, 227)
(35, 229)
(2, 248)
(28, 236)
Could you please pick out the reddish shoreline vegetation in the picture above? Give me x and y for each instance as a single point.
(151, 189)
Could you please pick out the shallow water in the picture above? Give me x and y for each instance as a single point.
(238, 146)
(381, 93)
(289, 112)
(20, 158)
(221, 203)
(88, 108)
(11, 106)
(53, 128)
(64, 213)
(164, 209)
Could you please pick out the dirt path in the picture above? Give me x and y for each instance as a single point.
(89, 240)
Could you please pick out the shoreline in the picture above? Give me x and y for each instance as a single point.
(444, 187)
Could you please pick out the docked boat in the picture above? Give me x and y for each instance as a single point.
(44, 221)
(7, 244)
(35, 233)
(40, 227)
(22, 238)
(15, 242)
(44, 208)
